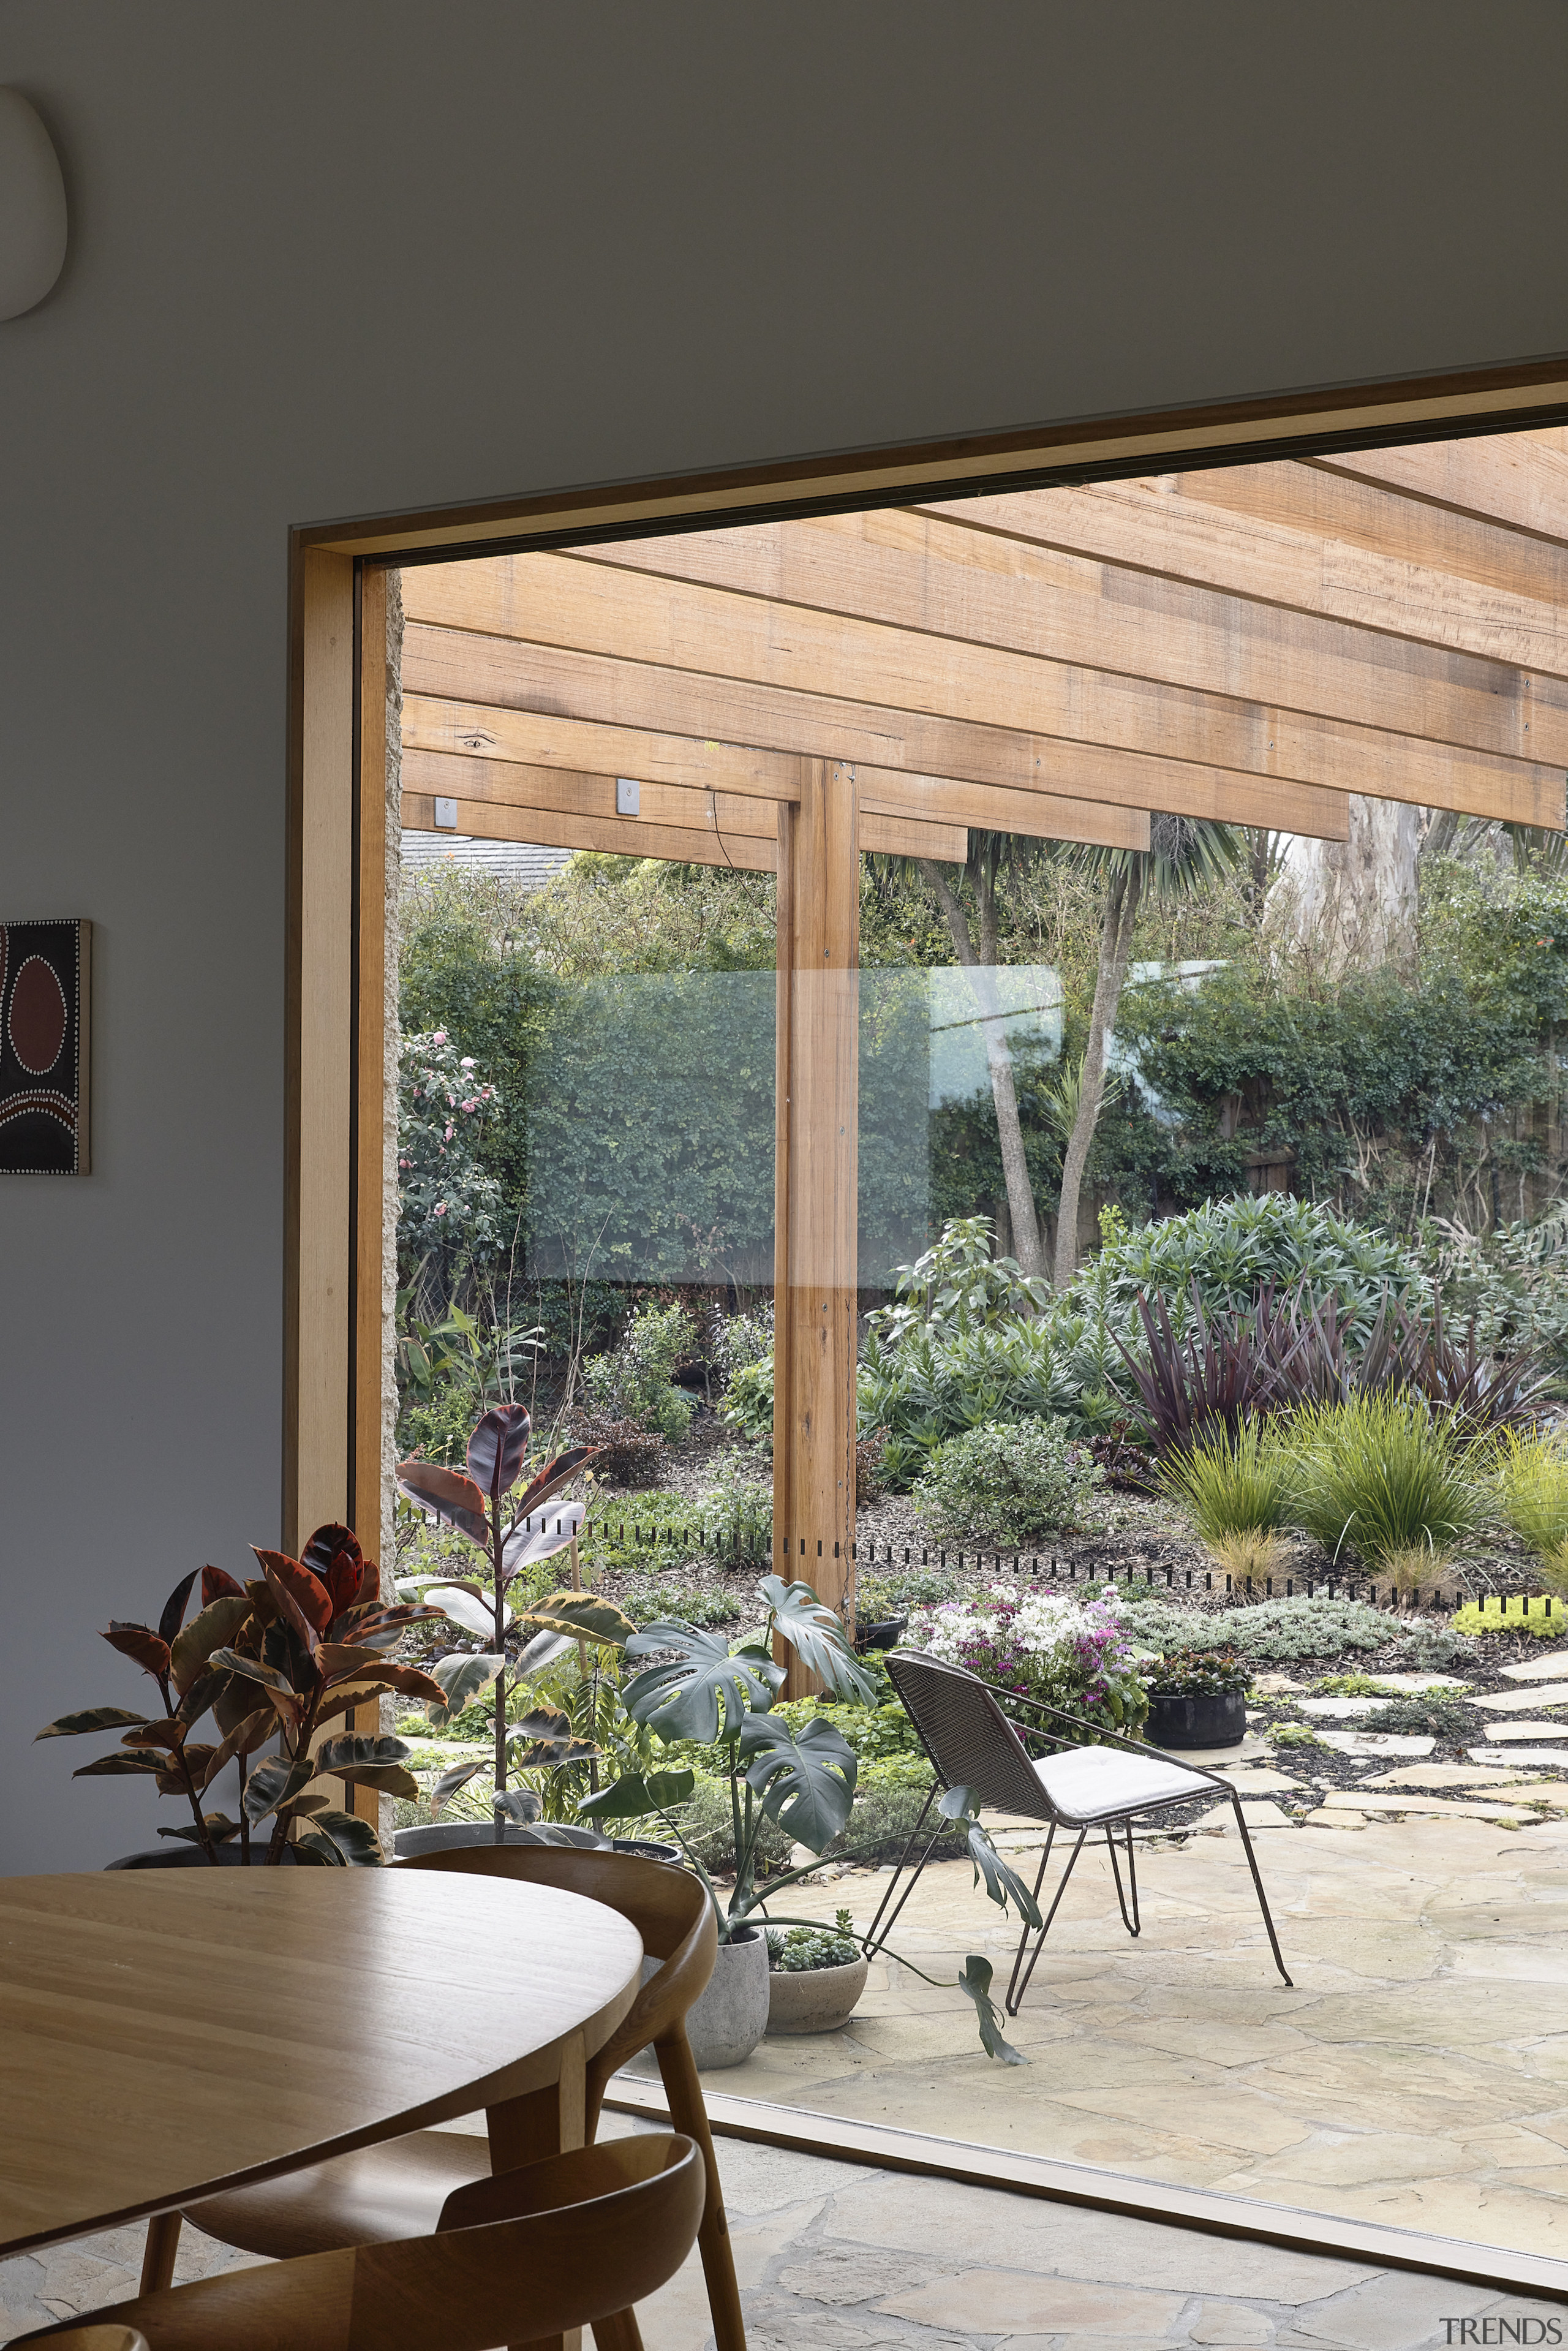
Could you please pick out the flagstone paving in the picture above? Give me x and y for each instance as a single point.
(1415, 2074)
(834, 2257)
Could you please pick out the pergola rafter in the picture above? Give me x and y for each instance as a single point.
(1253, 644)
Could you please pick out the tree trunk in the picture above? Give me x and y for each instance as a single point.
(1115, 946)
(1351, 904)
(1027, 1245)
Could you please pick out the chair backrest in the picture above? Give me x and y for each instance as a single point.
(669, 1907)
(531, 2254)
(965, 1733)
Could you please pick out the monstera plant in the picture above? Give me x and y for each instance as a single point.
(697, 1686)
(279, 1659)
(509, 1529)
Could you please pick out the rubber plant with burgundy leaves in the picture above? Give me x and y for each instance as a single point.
(279, 1659)
(520, 1643)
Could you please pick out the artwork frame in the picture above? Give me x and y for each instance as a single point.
(45, 1040)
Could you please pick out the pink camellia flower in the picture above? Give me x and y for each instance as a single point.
(466, 1063)
(440, 1208)
(439, 1037)
(449, 1130)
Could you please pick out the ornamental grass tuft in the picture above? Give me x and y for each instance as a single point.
(1530, 1479)
(1235, 1486)
(1386, 1479)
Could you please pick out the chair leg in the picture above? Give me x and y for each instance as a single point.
(1016, 1991)
(1134, 1925)
(620, 2332)
(162, 2244)
(683, 2096)
(1258, 1884)
(872, 1941)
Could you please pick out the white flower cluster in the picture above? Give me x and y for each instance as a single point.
(1040, 1623)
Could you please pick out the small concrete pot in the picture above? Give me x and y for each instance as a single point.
(814, 2000)
(728, 2018)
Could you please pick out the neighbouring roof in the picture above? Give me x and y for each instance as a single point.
(523, 862)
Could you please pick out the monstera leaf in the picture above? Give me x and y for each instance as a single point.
(699, 1690)
(975, 1980)
(805, 1780)
(449, 1494)
(1001, 1883)
(496, 1448)
(817, 1637)
(638, 1794)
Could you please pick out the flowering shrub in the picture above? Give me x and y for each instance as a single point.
(1198, 1673)
(1043, 1645)
(446, 1200)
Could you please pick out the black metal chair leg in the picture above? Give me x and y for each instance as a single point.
(873, 1941)
(1257, 1883)
(1015, 2003)
(1023, 1938)
(1133, 1924)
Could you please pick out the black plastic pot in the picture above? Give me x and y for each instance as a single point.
(446, 1837)
(180, 1856)
(886, 1635)
(1197, 1721)
(646, 1849)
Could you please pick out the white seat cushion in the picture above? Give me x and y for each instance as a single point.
(1088, 1783)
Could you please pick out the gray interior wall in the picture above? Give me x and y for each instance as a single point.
(333, 259)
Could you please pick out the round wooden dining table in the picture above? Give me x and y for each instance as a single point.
(166, 2033)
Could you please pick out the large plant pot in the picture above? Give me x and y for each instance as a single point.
(1185, 1722)
(814, 2000)
(728, 2018)
(180, 1856)
(449, 1837)
(885, 1634)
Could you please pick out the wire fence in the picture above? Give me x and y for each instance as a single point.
(799, 1555)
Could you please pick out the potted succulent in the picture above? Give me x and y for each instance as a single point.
(277, 1659)
(815, 1975)
(1198, 1697)
(511, 1532)
(696, 1686)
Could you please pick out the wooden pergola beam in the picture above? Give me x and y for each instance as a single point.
(511, 804)
(1342, 513)
(1517, 479)
(963, 618)
(1209, 759)
(450, 736)
(1147, 525)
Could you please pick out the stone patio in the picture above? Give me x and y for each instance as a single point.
(832, 2257)
(1416, 2075)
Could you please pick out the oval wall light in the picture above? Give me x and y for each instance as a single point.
(32, 207)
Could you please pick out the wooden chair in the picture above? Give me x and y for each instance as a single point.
(395, 2190)
(528, 2255)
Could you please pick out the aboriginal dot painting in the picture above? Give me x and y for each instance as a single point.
(44, 1000)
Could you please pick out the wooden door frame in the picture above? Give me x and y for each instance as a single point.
(333, 1206)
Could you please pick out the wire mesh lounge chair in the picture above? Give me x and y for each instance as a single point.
(1091, 1779)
